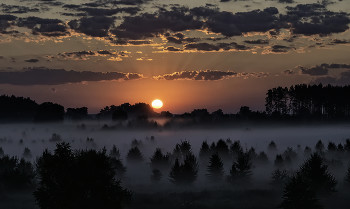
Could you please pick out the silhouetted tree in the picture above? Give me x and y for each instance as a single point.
(236, 149)
(134, 155)
(17, 108)
(115, 153)
(347, 176)
(307, 151)
(279, 162)
(289, 154)
(118, 167)
(215, 168)
(272, 146)
(159, 161)
(156, 175)
(49, 112)
(222, 149)
(186, 172)
(1, 152)
(77, 113)
(241, 169)
(331, 147)
(279, 177)
(316, 173)
(27, 153)
(55, 138)
(298, 194)
(78, 179)
(204, 151)
(319, 147)
(15, 173)
(262, 158)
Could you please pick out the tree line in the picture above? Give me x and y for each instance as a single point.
(309, 101)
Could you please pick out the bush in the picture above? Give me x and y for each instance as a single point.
(15, 173)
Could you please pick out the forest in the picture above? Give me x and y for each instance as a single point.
(223, 170)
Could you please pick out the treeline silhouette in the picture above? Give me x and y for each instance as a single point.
(309, 101)
(296, 103)
(92, 178)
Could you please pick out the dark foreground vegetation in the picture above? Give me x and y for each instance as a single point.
(224, 174)
(298, 103)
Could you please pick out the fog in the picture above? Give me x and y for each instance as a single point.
(14, 138)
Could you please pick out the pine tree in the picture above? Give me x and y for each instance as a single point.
(241, 169)
(134, 155)
(159, 160)
(298, 194)
(115, 153)
(204, 151)
(186, 172)
(215, 168)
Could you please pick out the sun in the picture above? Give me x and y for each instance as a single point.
(157, 104)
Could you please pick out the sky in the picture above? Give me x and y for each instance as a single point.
(189, 53)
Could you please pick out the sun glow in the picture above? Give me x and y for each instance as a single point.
(157, 104)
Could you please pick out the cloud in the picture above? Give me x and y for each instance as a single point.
(208, 75)
(215, 47)
(172, 49)
(150, 25)
(257, 42)
(179, 38)
(42, 26)
(45, 76)
(229, 24)
(32, 60)
(315, 71)
(93, 11)
(14, 9)
(93, 26)
(343, 79)
(6, 21)
(323, 69)
(311, 19)
(83, 55)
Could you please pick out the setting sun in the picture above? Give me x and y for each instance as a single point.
(157, 104)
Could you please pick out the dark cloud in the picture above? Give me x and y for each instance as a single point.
(230, 24)
(172, 49)
(258, 42)
(215, 47)
(179, 38)
(92, 11)
(32, 60)
(78, 54)
(44, 76)
(289, 72)
(343, 79)
(150, 25)
(323, 69)
(93, 26)
(311, 19)
(6, 21)
(338, 41)
(208, 75)
(46, 27)
(14, 9)
(280, 49)
(315, 71)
